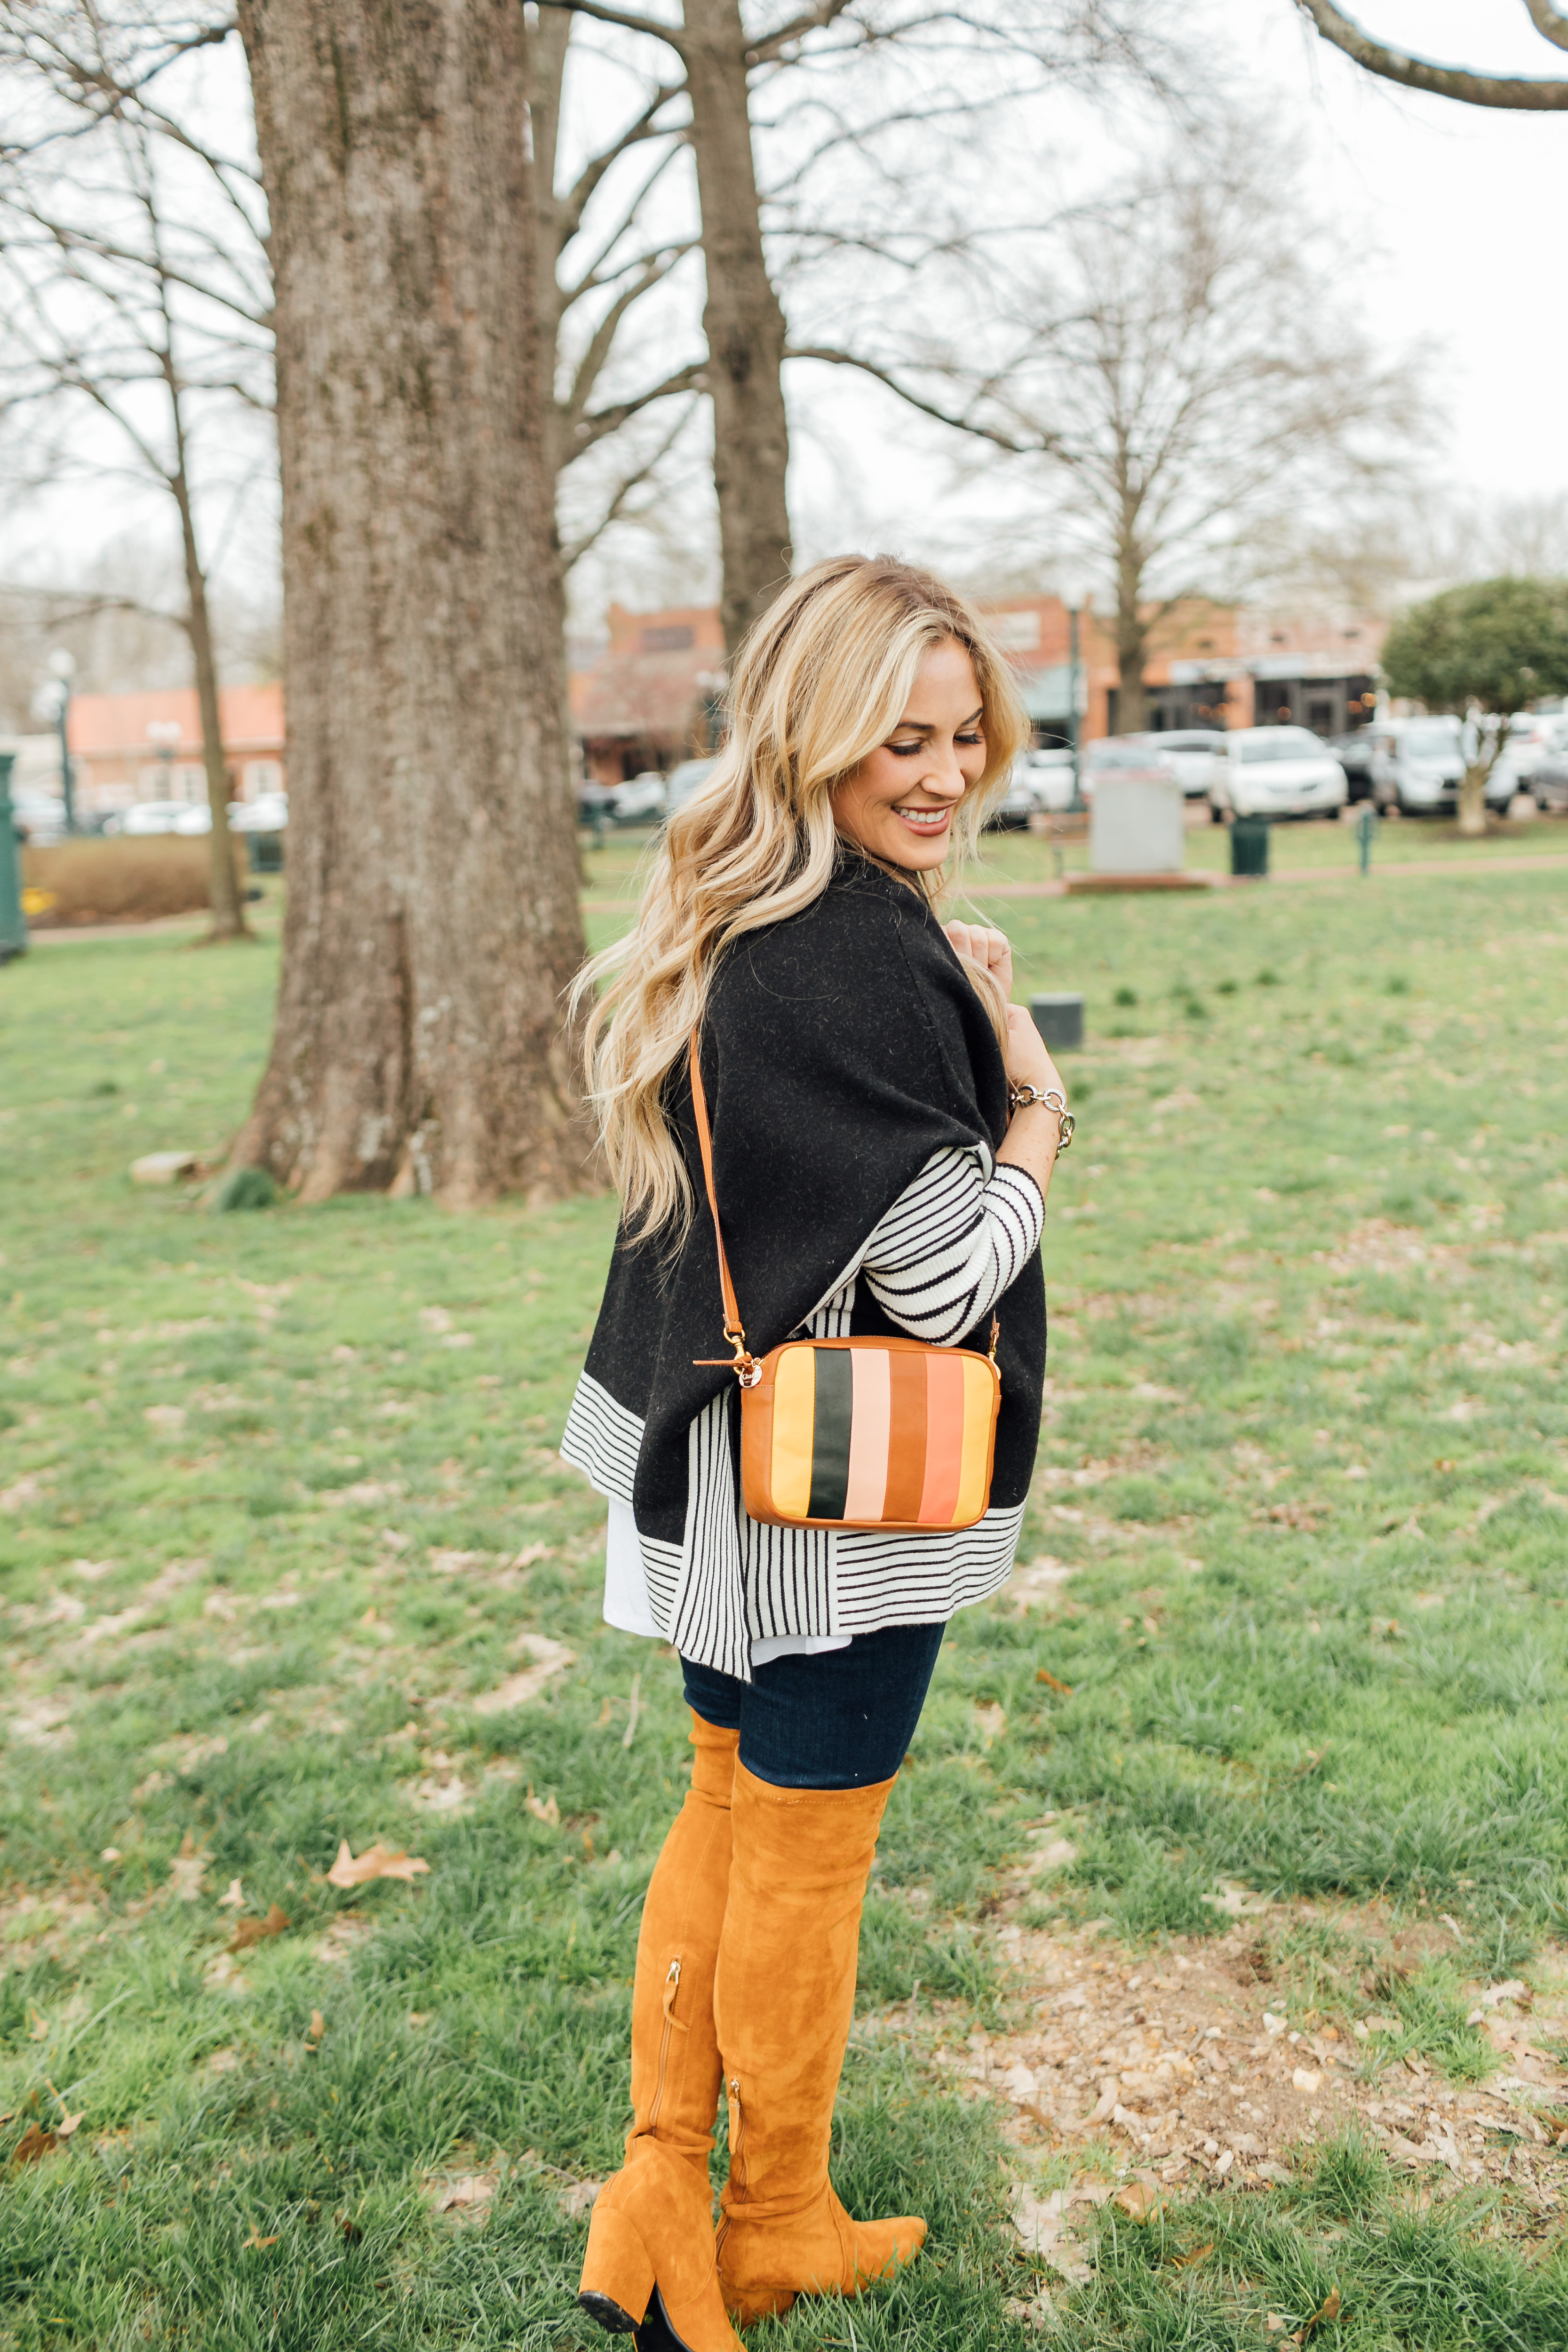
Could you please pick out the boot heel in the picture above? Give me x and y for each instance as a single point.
(618, 2280)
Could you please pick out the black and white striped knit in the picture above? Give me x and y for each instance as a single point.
(937, 1263)
(858, 1096)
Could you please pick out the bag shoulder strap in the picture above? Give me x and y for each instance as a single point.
(734, 1330)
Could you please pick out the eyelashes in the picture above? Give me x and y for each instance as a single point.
(911, 751)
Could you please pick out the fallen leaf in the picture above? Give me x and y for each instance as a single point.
(1185, 2262)
(420, 2017)
(254, 2241)
(188, 1869)
(257, 1931)
(469, 2192)
(1137, 2200)
(223, 2062)
(37, 2026)
(318, 2025)
(1328, 2309)
(234, 1899)
(34, 2145)
(544, 1809)
(549, 1659)
(376, 1862)
(351, 2230)
(1051, 1683)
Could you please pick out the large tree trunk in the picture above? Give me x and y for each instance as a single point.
(742, 320)
(432, 917)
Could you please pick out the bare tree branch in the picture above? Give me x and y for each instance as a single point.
(628, 20)
(1507, 91)
(594, 426)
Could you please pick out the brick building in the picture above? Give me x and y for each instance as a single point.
(148, 747)
(652, 697)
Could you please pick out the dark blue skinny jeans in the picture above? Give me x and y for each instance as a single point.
(839, 1720)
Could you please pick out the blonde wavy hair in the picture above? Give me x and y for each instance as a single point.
(821, 681)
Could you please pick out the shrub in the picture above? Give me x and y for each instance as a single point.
(121, 881)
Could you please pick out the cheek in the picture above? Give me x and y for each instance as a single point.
(880, 778)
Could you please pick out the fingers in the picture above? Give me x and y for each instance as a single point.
(987, 948)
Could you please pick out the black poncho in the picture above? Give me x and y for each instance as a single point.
(841, 1049)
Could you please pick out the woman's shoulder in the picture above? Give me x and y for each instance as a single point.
(864, 931)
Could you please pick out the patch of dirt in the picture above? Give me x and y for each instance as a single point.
(1199, 2066)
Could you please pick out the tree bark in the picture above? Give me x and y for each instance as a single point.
(1514, 92)
(742, 320)
(1132, 647)
(228, 914)
(432, 920)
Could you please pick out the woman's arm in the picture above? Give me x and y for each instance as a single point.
(1035, 1135)
(952, 1243)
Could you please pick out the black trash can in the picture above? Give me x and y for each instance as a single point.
(266, 852)
(1058, 1019)
(1249, 846)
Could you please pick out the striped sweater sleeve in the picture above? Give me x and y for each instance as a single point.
(952, 1243)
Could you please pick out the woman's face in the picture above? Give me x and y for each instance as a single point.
(899, 803)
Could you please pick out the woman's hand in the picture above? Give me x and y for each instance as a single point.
(992, 950)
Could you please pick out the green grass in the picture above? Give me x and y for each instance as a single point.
(1304, 1453)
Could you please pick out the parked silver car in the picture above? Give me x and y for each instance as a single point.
(1192, 751)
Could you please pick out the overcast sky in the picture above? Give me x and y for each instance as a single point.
(1455, 212)
(1463, 206)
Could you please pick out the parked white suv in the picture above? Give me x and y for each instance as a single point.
(1417, 763)
(1278, 771)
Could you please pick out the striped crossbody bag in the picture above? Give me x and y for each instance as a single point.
(878, 1434)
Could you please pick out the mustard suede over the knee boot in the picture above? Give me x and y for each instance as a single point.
(675, 2052)
(654, 2220)
(784, 1997)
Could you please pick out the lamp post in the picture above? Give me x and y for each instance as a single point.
(164, 734)
(1075, 697)
(62, 668)
(12, 922)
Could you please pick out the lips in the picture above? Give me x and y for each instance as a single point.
(931, 821)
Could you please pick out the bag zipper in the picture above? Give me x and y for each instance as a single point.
(671, 1986)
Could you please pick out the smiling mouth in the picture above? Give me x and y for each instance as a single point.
(921, 820)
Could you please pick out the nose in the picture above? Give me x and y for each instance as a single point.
(943, 775)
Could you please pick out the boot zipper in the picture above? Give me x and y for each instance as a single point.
(737, 2138)
(671, 1986)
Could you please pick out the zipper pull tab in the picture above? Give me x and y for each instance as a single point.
(671, 1986)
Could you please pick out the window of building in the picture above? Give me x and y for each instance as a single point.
(1320, 715)
(262, 776)
(190, 784)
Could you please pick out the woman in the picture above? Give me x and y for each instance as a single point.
(858, 1066)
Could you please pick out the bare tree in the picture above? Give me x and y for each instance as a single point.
(1177, 377)
(1521, 93)
(125, 308)
(722, 61)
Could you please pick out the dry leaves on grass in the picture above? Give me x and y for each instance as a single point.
(377, 1860)
(1041, 2225)
(256, 2241)
(549, 1659)
(467, 2194)
(257, 1931)
(544, 1809)
(188, 1869)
